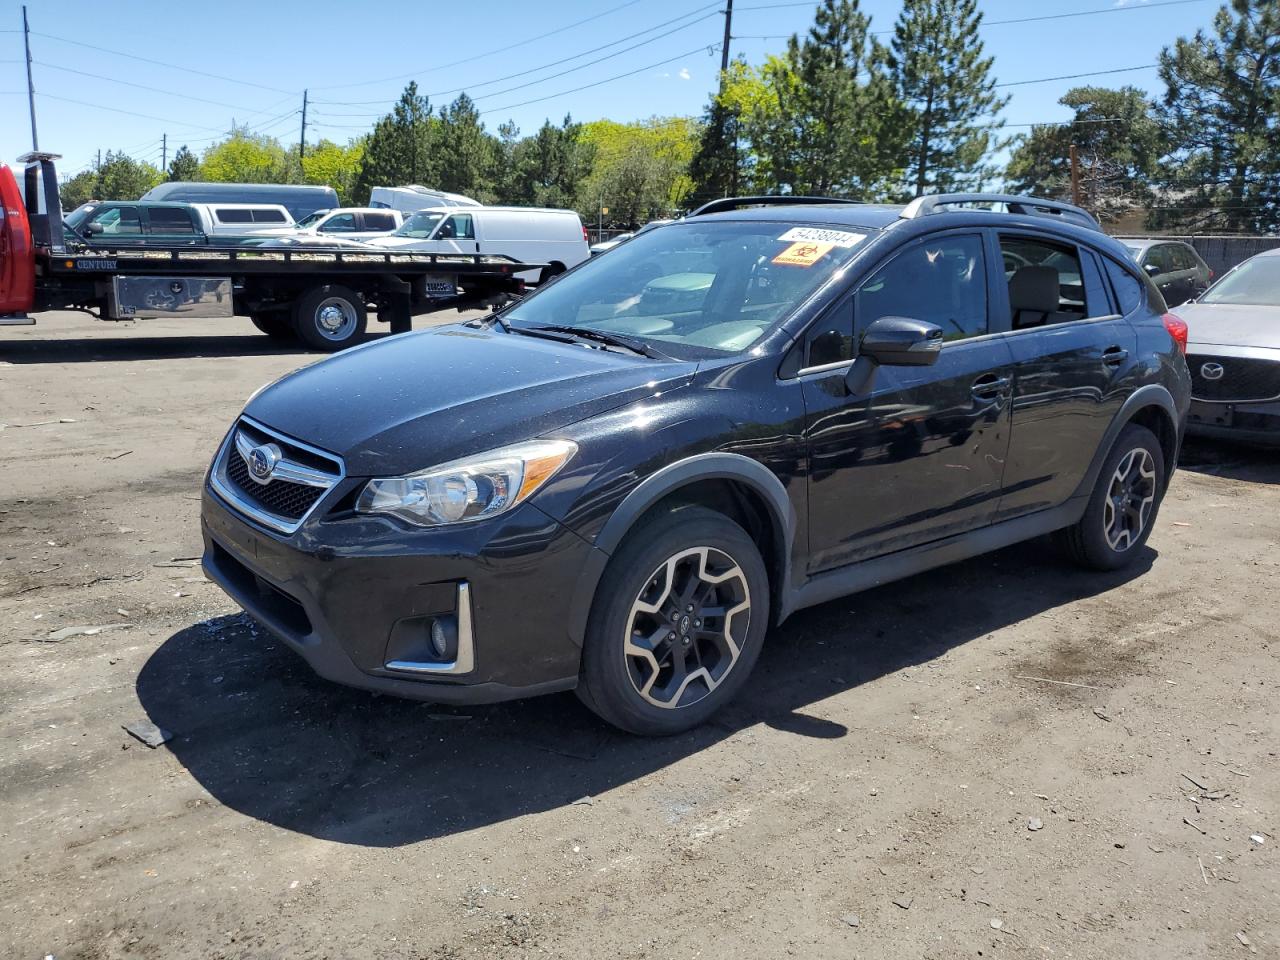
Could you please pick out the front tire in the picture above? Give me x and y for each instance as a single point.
(275, 326)
(330, 318)
(1122, 508)
(677, 623)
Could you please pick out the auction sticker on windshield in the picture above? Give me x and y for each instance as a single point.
(833, 238)
(803, 254)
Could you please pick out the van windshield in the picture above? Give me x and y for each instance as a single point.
(694, 288)
(420, 226)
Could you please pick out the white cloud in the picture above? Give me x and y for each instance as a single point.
(684, 73)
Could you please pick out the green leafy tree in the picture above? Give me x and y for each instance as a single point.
(716, 165)
(120, 177)
(850, 123)
(640, 171)
(942, 75)
(184, 165)
(550, 165)
(399, 150)
(466, 154)
(246, 157)
(766, 135)
(333, 165)
(1221, 114)
(79, 189)
(1118, 142)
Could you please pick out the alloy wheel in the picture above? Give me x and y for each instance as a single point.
(1130, 497)
(686, 629)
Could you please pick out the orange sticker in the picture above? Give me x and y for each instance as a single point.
(805, 253)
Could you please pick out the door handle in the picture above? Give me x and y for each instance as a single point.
(1114, 356)
(989, 387)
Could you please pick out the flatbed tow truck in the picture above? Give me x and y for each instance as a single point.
(319, 295)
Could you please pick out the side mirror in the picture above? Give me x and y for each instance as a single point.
(901, 342)
(1152, 270)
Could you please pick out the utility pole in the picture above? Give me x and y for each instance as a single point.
(98, 164)
(164, 152)
(1075, 176)
(31, 89)
(302, 140)
(724, 48)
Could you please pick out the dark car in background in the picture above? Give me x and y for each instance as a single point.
(1234, 354)
(1177, 270)
(619, 483)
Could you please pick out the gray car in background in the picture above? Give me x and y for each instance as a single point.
(1233, 352)
(1174, 266)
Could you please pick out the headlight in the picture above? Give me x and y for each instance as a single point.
(470, 489)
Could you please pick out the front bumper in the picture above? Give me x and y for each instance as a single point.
(346, 591)
(1257, 423)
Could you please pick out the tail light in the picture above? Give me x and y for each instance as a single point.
(585, 238)
(1212, 273)
(1177, 328)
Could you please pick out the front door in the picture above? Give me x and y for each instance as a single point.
(1075, 364)
(921, 455)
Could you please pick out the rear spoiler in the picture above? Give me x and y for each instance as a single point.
(41, 178)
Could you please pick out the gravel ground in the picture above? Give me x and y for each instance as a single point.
(1009, 757)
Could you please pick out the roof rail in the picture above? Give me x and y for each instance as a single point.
(734, 203)
(1032, 206)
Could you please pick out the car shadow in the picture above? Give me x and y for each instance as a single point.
(1225, 458)
(266, 737)
(100, 349)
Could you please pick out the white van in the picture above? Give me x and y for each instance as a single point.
(413, 198)
(245, 219)
(528, 234)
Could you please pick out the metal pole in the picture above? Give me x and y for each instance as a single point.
(31, 88)
(164, 152)
(302, 140)
(1075, 176)
(724, 49)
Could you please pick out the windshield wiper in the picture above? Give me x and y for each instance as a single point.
(634, 344)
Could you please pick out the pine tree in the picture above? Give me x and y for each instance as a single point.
(714, 168)
(945, 80)
(184, 165)
(465, 153)
(399, 150)
(1221, 113)
(848, 118)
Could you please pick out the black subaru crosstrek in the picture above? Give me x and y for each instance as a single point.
(620, 482)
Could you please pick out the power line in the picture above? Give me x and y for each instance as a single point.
(710, 48)
(488, 53)
(161, 63)
(554, 63)
(143, 86)
(1077, 76)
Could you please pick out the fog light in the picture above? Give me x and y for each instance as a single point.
(444, 638)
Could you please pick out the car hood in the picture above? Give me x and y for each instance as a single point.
(1232, 324)
(392, 242)
(408, 402)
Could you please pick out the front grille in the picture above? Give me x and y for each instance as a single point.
(284, 499)
(301, 476)
(1243, 379)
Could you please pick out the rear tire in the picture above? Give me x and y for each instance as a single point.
(1122, 508)
(677, 623)
(549, 273)
(330, 318)
(276, 326)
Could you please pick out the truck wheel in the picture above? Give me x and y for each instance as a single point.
(1122, 508)
(330, 318)
(678, 620)
(274, 325)
(550, 272)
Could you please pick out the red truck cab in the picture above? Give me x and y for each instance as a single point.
(17, 254)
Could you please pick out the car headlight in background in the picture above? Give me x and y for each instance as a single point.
(469, 489)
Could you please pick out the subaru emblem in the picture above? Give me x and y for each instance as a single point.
(1212, 371)
(262, 462)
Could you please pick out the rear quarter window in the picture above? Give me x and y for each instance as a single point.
(268, 216)
(233, 215)
(1127, 286)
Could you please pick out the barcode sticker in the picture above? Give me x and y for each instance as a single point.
(836, 238)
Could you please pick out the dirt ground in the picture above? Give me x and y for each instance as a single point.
(1006, 758)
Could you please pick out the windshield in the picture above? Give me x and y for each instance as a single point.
(1255, 282)
(694, 288)
(79, 215)
(311, 218)
(1134, 252)
(420, 225)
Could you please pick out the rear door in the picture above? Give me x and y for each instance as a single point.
(921, 456)
(1075, 364)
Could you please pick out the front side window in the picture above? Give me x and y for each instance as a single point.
(1255, 282)
(696, 288)
(457, 227)
(940, 281)
(1160, 260)
(118, 221)
(340, 223)
(1046, 283)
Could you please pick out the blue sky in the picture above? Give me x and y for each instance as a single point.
(255, 59)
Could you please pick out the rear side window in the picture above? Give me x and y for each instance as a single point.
(233, 215)
(1183, 258)
(379, 221)
(165, 220)
(1127, 287)
(1046, 282)
(942, 280)
(268, 216)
